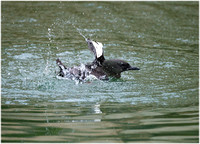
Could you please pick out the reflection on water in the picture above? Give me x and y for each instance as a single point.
(69, 122)
(159, 103)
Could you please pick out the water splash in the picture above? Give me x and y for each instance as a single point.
(78, 30)
(64, 25)
(82, 77)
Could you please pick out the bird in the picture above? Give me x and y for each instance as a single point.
(111, 68)
(100, 68)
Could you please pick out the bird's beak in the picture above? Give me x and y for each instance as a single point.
(87, 40)
(133, 68)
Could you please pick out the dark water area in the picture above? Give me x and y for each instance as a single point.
(159, 103)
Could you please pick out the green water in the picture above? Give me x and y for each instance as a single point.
(159, 103)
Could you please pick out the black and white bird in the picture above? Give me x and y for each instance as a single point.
(100, 68)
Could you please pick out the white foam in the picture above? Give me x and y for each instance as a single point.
(26, 56)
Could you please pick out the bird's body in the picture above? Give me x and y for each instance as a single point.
(100, 68)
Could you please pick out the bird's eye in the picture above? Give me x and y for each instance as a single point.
(90, 43)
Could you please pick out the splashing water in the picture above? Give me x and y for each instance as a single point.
(84, 75)
(79, 32)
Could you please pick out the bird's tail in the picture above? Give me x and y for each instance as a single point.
(62, 68)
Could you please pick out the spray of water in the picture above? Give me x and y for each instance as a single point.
(78, 30)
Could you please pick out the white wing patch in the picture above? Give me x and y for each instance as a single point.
(99, 48)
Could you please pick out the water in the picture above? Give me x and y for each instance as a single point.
(159, 103)
(79, 32)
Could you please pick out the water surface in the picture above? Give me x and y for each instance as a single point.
(159, 103)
